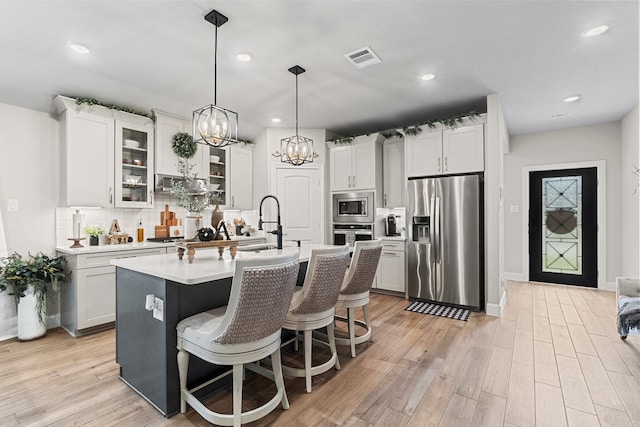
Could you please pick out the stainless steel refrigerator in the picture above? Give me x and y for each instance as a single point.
(445, 240)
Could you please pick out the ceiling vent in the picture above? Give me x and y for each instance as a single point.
(363, 58)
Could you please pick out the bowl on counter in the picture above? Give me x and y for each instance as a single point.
(131, 143)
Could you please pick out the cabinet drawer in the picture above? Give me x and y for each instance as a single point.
(392, 245)
(102, 259)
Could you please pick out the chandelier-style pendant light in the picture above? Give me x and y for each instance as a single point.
(214, 125)
(296, 150)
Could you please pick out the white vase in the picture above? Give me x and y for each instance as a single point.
(29, 326)
(192, 223)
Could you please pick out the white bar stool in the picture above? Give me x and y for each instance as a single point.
(313, 307)
(245, 331)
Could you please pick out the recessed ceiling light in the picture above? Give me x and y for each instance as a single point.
(276, 120)
(555, 116)
(427, 76)
(244, 57)
(596, 31)
(572, 98)
(79, 48)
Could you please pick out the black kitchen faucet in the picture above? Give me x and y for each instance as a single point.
(278, 230)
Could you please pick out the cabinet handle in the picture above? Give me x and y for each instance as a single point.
(233, 201)
(446, 166)
(438, 164)
(110, 195)
(349, 185)
(390, 253)
(151, 197)
(385, 199)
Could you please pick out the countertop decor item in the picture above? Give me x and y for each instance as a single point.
(296, 150)
(27, 279)
(187, 198)
(214, 125)
(94, 232)
(184, 145)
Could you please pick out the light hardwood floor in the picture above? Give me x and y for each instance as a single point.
(553, 359)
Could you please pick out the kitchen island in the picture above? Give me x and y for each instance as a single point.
(146, 339)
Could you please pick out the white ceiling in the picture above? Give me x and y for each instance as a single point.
(159, 54)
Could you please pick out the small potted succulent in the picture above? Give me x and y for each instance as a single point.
(27, 279)
(94, 232)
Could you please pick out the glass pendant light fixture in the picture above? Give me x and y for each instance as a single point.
(296, 150)
(214, 125)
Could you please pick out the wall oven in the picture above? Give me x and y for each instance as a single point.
(351, 233)
(353, 207)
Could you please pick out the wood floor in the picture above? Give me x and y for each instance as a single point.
(553, 359)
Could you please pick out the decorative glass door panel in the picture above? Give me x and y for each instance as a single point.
(563, 227)
(217, 174)
(562, 214)
(134, 166)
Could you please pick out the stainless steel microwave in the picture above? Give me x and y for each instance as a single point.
(353, 207)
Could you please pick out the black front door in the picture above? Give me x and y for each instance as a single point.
(563, 227)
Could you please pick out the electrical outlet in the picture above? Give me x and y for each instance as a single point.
(158, 310)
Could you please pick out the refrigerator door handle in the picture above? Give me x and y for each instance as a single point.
(432, 232)
(436, 227)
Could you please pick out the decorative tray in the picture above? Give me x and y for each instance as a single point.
(190, 247)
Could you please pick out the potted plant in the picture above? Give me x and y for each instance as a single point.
(27, 279)
(94, 232)
(191, 194)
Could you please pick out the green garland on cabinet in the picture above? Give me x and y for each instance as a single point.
(91, 101)
(413, 130)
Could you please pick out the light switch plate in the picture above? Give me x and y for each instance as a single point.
(158, 311)
(13, 205)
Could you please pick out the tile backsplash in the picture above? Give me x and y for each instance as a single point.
(128, 218)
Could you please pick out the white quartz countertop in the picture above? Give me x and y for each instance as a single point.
(87, 249)
(207, 265)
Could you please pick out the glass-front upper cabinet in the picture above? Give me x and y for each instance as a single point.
(218, 174)
(133, 165)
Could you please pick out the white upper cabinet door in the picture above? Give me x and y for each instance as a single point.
(86, 159)
(134, 165)
(393, 175)
(340, 158)
(423, 154)
(363, 166)
(239, 179)
(463, 149)
(166, 161)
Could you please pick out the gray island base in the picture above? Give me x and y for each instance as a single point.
(146, 346)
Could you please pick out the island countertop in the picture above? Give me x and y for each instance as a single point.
(207, 265)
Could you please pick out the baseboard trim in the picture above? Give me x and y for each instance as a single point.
(515, 277)
(497, 309)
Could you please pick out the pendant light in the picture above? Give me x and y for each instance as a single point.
(296, 150)
(214, 125)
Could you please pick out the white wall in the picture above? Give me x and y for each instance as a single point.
(496, 143)
(587, 143)
(29, 174)
(630, 158)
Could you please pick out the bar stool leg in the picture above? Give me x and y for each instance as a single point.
(183, 366)
(332, 343)
(307, 359)
(276, 364)
(352, 330)
(238, 371)
(367, 319)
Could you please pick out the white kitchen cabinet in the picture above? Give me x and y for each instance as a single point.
(133, 165)
(445, 152)
(88, 298)
(93, 158)
(391, 269)
(353, 166)
(166, 126)
(240, 179)
(393, 174)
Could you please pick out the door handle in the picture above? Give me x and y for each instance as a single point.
(432, 233)
(446, 165)
(437, 231)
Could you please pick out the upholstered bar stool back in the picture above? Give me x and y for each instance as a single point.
(355, 291)
(313, 307)
(245, 331)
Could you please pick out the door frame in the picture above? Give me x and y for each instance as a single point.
(600, 165)
(274, 185)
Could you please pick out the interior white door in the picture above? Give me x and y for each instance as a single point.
(300, 194)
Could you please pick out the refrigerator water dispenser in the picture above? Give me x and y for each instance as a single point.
(421, 226)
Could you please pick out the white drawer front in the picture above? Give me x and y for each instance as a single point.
(103, 259)
(392, 245)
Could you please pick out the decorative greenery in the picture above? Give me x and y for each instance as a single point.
(94, 230)
(412, 130)
(192, 201)
(245, 141)
(91, 101)
(344, 140)
(17, 273)
(389, 135)
(184, 145)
